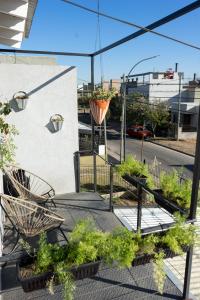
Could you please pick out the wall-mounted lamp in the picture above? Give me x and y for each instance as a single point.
(57, 121)
(21, 99)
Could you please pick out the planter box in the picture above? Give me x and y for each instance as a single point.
(133, 179)
(146, 258)
(37, 282)
(86, 270)
(167, 204)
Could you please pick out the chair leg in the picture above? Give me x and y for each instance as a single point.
(15, 245)
(63, 234)
(53, 203)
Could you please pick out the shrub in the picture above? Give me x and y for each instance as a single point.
(132, 166)
(174, 190)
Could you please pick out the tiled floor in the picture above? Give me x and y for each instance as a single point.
(109, 283)
(151, 216)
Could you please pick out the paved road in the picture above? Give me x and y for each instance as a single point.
(168, 158)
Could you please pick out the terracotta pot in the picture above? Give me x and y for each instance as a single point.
(99, 109)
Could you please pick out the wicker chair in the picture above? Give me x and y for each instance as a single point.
(28, 218)
(26, 185)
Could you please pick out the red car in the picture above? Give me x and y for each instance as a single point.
(138, 131)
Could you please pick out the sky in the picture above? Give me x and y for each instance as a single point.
(58, 26)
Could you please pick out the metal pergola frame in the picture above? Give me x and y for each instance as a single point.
(196, 174)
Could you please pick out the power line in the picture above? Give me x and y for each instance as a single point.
(132, 24)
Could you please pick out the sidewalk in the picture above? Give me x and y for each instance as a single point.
(187, 147)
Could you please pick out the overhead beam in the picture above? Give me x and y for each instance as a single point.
(11, 34)
(181, 12)
(11, 22)
(10, 42)
(44, 52)
(17, 8)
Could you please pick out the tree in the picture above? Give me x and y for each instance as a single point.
(158, 115)
(136, 109)
(140, 111)
(115, 108)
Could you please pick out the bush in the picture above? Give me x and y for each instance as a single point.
(132, 166)
(174, 190)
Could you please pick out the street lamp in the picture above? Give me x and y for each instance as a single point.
(123, 119)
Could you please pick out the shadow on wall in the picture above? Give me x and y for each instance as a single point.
(50, 127)
(13, 103)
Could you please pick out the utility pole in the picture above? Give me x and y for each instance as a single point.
(123, 116)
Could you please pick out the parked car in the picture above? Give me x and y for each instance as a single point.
(138, 131)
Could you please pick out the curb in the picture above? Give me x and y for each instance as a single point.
(167, 147)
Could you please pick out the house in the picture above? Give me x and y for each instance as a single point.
(155, 86)
(168, 87)
(189, 103)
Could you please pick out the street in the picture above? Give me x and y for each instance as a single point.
(167, 157)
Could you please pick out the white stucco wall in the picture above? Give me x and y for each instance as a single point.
(52, 90)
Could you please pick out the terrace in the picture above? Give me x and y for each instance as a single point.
(109, 283)
(134, 283)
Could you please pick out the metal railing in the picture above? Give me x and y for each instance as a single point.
(101, 177)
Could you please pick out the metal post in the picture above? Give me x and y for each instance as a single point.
(179, 105)
(193, 209)
(77, 171)
(139, 207)
(122, 150)
(92, 87)
(95, 170)
(124, 96)
(105, 139)
(111, 188)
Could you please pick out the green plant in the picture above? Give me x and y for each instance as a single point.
(119, 247)
(86, 244)
(7, 133)
(57, 118)
(102, 94)
(174, 190)
(132, 166)
(179, 236)
(159, 273)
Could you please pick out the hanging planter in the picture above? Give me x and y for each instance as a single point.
(21, 99)
(99, 109)
(57, 121)
(99, 104)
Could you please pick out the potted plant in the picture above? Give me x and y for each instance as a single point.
(21, 99)
(78, 259)
(156, 247)
(57, 121)
(174, 194)
(99, 103)
(132, 169)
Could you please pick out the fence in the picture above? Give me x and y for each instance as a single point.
(104, 179)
